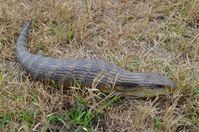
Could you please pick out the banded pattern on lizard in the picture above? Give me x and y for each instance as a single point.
(90, 72)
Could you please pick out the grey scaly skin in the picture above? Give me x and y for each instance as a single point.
(105, 76)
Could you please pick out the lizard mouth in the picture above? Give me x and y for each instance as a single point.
(140, 91)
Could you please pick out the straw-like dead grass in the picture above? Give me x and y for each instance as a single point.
(159, 36)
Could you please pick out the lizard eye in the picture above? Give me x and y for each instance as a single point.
(160, 86)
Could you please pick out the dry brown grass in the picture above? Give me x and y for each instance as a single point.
(159, 36)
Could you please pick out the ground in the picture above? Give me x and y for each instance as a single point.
(159, 36)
